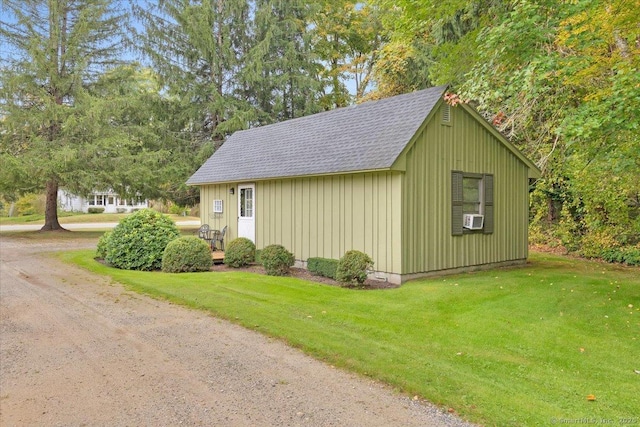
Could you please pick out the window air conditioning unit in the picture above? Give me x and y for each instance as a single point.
(217, 206)
(473, 221)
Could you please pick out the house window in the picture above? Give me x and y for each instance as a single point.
(217, 206)
(99, 199)
(92, 200)
(471, 193)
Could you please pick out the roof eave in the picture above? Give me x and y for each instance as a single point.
(400, 162)
(272, 178)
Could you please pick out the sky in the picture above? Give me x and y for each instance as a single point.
(8, 53)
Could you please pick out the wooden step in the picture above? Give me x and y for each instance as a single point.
(217, 256)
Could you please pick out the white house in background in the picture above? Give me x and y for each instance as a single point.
(110, 201)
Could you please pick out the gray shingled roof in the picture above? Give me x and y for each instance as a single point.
(367, 136)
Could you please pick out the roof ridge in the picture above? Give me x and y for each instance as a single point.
(367, 136)
(370, 103)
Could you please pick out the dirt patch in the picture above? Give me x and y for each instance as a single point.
(78, 349)
(556, 250)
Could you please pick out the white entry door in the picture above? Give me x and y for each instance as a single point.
(110, 204)
(247, 211)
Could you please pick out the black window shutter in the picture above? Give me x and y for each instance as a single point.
(456, 203)
(488, 204)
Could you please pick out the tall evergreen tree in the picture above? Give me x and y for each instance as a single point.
(281, 69)
(197, 48)
(57, 48)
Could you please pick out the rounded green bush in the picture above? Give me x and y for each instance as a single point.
(184, 254)
(276, 260)
(101, 250)
(239, 252)
(352, 267)
(139, 240)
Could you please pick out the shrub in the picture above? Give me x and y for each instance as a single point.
(632, 256)
(94, 210)
(139, 240)
(352, 267)
(628, 255)
(176, 209)
(323, 267)
(30, 204)
(101, 250)
(188, 253)
(595, 243)
(239, 252)
(276, 259)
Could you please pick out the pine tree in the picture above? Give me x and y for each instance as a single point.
(196, 48)
(56, 49)
(281, 68)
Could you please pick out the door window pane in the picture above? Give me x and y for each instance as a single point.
(246, 202)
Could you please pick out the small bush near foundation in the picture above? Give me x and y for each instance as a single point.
(101, 250)
(325, 267)
(239, 252)
(276, 260)
(186, 254)
(139, 240)
(95, 210)
(352, 268)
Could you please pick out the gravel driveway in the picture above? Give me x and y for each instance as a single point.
(76, 349)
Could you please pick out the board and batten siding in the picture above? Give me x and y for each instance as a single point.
(462, 145)
(322, 216)
(229, 215)
(326, 216)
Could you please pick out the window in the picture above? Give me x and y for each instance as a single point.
(217, 206)
(92, 200)
(471, 193)
(99, 199)
(246, 203)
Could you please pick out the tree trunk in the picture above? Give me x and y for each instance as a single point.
(51, 208)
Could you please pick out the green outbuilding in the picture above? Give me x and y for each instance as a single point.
(422, 186)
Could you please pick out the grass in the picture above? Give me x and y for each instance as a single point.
(508, 347)
(77, 218)
(73, 234)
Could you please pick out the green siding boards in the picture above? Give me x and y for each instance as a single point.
(402, 217)
(429, 242)
(326, 216)
(229, 215)
(323, 216)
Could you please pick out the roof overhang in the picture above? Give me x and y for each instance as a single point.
(273, 178)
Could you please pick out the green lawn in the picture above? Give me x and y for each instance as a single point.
(505, 347)
(78, 218)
